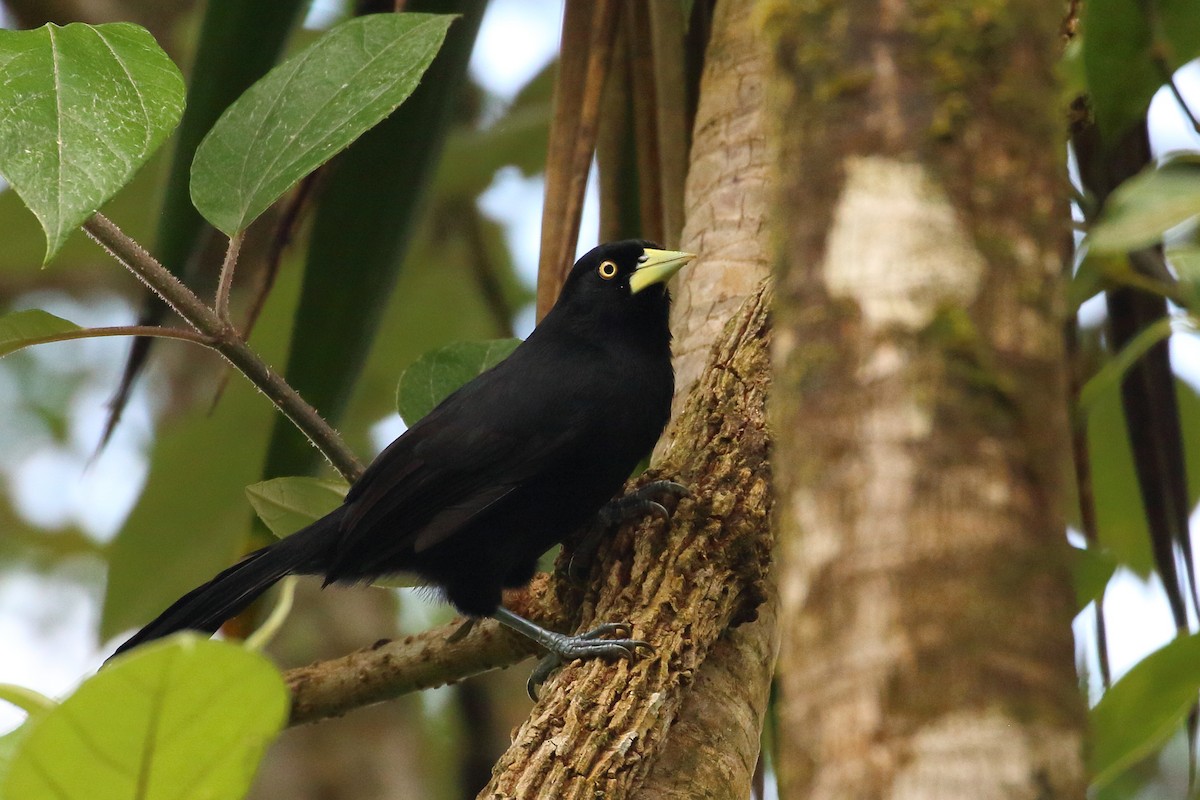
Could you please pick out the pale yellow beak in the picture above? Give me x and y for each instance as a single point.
(657, 267)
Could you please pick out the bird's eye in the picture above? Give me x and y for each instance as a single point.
(608, 270)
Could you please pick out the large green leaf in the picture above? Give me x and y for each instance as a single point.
(1144, 708)
(81, 108)
(308, 109)
(1129, 50)
(285, 505)
(34, 326)
(1146, 206)
(184, 717)
(433, 376)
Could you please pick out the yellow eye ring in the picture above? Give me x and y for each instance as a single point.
(607, 270)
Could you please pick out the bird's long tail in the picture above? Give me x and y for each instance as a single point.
(209, 605)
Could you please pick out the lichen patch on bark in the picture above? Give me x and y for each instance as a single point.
(897, 247)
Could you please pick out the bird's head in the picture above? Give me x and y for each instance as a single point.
(632, 271)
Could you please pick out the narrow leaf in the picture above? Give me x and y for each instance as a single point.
(435, 375)
(285, 505)
(81, 108)
(181, 717)
(308, 109)
(34, 326)
(1120, 513)
(1144, 708)
(1146, 206)
(1113, 372)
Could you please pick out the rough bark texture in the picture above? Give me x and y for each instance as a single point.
(713, 745)
(919, 403)
(599, 727)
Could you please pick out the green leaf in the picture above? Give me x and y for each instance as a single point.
(1186, 263)
(1142, 709)
(182, 717)
(1147, 205)
(1111, 375)
(308, 109)
(1120, 514)
(10, 743)
(435, 375)
(1129, 49)
(81, 109)
(24, 328)
(1091, 569)
(285, 505)
(1177, 25)
(25, 699)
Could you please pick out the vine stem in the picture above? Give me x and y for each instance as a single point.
(226, 341)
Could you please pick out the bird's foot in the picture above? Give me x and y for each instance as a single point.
(562, 648)
(584, 645)
(641, 502)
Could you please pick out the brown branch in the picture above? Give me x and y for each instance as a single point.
(226, 341)
(589, 31)
(389, 669)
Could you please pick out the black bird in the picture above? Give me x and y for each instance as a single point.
(504, 468)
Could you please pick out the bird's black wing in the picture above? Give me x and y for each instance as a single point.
(481, 444)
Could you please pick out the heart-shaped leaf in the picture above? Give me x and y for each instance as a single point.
(81, 108)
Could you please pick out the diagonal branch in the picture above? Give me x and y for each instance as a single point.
(226, 341)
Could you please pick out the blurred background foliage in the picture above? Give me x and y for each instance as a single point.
(381, 256)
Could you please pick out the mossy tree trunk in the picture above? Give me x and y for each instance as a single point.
(919, 402)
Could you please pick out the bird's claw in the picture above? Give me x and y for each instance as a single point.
(638, 503)
(642, 501)
(588, 644)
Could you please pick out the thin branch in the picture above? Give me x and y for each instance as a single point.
(1187, 110)
(435, 657)
(225, 284)
(226, 341)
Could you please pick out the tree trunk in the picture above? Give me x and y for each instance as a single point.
(685, 722)
(919, 403)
